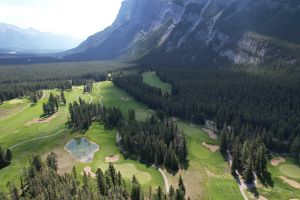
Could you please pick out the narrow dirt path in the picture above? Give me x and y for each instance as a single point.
(165, 179)
(37, 138)
(240, 183)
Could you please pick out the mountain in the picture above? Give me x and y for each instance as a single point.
(13, 38)
(199, 31)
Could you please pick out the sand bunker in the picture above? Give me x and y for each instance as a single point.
(88, 171)
(291, 182)
(42, 120)
(124, 98)
(277, 161)
(112, 159)
(15, 101)
(262, 198)
(212, 148)
(210, 133)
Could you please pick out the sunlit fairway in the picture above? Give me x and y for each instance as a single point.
(151, 79)
(15, 128)
(208, 175)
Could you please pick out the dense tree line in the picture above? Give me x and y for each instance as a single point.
(41, 181)
(134, 85)
(247, 152)
(51, 107)
(155, 142)
(17, 90)
(17, 81)
(82, 115)
(5, 157)
(269, 104)
(88, 87)
(35, 96)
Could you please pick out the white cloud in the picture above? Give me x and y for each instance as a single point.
(79, 18)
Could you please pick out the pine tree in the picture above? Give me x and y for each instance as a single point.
(52, 161)
(37, 162)
(101, 182)
(159, 194)
(295, 148)
(13, 191)
(172, 193)
(223, 145)
(8, 156)
(248, 171)
(179, 194)
(63, 98)
(136, 191)
(181, 184)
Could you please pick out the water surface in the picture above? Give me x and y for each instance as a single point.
(82, 149)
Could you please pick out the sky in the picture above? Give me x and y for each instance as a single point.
(78, 18)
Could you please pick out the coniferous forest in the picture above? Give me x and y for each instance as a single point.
(41, 181)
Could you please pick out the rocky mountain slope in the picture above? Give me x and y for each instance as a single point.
(199, 31)
(13, 38)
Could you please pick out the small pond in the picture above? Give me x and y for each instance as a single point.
(82, 149)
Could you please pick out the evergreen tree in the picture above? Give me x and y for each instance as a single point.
(37, 163)
(180, 195)
(181, 184)
(52, 161)
(295, 148)
(248, 171)
(136, 191)
(8, 155)
(63, 98)
(101, 182)
(172, 193)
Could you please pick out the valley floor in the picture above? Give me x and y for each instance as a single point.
(207, 177)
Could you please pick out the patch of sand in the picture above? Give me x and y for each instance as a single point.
(262, 198)
(65, 161)
(112, 159)
(42, 120)
(88, 171)
(124, 99)
(294, 199)
(291, 182)
(212, 148)
(15, 101)
(210, 133)
(277, 161)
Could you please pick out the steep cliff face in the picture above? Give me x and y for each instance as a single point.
(197, 31)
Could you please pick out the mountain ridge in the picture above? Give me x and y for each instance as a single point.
(14, 38)
(199, 31)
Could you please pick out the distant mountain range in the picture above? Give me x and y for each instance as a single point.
(199, 31)
(16, 39)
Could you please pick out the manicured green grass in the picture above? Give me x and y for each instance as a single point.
(290, 170)
(220, 188)
(106, 139)
(15, 129)
(114, 97)
(280, 189)
(150, 78)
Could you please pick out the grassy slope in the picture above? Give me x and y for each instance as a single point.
(14, 130)
(151, 79)
(220, 185)
(281, 190)
(208, 174)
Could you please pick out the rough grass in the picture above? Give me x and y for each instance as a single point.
(150, 78)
